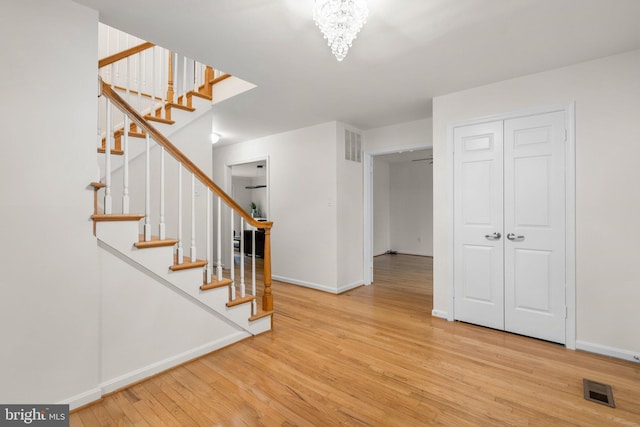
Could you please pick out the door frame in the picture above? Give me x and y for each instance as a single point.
(570, 207)
(368, 201)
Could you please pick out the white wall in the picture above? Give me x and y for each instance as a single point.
(49, 302)
(411, 203)
(349, 192)
(381, 207)
(607, 101)
(303, 183)
(148, 326)
(416, 134)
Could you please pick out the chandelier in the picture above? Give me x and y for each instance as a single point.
(340, 21)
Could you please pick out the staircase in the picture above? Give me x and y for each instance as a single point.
(146, 172)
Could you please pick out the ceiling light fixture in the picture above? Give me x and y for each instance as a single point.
(215, 137)
(340, 21)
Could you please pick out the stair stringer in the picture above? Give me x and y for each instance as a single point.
(120, 237)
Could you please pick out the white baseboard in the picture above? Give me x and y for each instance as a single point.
(403, 252)
(82, 398)
(317, 286)
(350, 286)
(608, 351)
(147, 371)
(439, 313)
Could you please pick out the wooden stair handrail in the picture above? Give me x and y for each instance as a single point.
(108, 60)
(178, 155)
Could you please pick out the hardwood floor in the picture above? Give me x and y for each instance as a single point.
(375, 356)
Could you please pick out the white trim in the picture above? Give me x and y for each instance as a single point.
(170, 362)
(608, 351)
(439, 313)
(82, 399)
(403, 252)
(570, 201)
(368, 202)
(318, 287)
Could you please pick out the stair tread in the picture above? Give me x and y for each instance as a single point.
(242, 300)
(219, 79)
(180, 107)
(132, 134)
(155, 242)
(201, 95)
(158, 119)
(260, 314)
(186, 263)
(113, 151)
(117, 217)
(214, 284)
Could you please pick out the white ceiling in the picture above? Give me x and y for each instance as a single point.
(408, 52)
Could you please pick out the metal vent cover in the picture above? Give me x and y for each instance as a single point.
(352, 146)
(598, 392)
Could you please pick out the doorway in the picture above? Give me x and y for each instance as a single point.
(398, 204)
(512, 224)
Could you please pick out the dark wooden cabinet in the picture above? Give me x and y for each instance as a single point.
(259, 243)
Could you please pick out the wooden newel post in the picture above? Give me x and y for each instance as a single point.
(208, 78)
(170, 92)
(267, 298)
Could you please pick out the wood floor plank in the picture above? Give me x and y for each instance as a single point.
(374, 356)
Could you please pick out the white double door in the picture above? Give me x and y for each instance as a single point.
(509, 229)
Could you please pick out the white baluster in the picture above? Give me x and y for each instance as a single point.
(184, 80)
(153, 81)
(253, 261)
(139, 85)
(179, 252)
(233, 255)
(99, 121)
(193, 218)
(125, 167)
(162, 228)
(175, 77)
(164, 84)
(242, 284)
(207, 271)
(241, 266)
(147, 190)
(195, 80)
(219, 263)
(128, 84)
(107, 162)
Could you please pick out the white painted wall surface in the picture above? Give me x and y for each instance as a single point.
(148, 326)
(303, 182)
(416, 134)
(381, 207)
(411, 206)
(49, 292)
(607, 101)
(349, 192)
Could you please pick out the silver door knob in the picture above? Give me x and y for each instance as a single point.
(513, 237)
(494, 236)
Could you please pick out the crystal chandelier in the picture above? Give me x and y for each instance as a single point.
(340, 21)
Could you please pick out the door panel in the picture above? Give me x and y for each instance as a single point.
(534, 218)
(478, 274)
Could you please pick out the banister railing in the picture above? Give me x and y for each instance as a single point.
(124, 54)
(152, 134)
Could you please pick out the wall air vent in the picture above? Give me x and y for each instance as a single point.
(352, 146)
